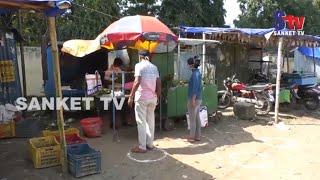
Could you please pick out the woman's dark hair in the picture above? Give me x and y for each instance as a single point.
(195, 61)
(117, 62)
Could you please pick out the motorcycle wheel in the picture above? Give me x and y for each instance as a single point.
(311, 103)
(265, 106)
(225, 102)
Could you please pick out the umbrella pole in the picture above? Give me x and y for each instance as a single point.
(57, 78)
(276, 113)
(115, 136)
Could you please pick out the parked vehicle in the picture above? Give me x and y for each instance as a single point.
(260, 95)
(308, 95)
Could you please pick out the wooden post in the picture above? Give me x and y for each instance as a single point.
(23, 67)
(278, 79)
(57, 78)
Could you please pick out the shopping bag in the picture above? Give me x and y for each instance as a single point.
(94, 83)
(203, 117)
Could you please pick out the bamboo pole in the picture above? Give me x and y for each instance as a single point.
(57, 78)
(23, 67)
(276, 113)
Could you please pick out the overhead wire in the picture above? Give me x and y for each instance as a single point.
(94, 10)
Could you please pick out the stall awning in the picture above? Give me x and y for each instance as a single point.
(49, 7)
(310, 52)
(261, 37)
(208, 30)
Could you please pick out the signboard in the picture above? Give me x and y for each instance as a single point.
(288, 25)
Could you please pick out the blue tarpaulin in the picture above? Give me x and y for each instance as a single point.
(266, 33)
(247, 31)
(49, 7)
(309, 52)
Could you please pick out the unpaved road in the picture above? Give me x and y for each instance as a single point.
(230, 149)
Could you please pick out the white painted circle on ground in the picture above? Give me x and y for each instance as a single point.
(165, 154)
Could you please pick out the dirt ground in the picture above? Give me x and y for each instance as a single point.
(230, 149)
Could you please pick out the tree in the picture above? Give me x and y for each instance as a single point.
(193, 13)
(89, 18)
(141, 7)
(259, 14)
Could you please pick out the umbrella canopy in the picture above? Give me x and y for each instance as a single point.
(139, 32)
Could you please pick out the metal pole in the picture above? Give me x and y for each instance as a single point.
(57, 78)
(314, 62)
(23, 67)
(203, 53)
(276, 113)
(178, 60)
(113, 112)
(288, 64)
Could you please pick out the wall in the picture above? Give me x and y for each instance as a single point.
(33, 70)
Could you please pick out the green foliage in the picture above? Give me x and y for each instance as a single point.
(193, 13)
(259, 14)
(141, 7)
(89, 18)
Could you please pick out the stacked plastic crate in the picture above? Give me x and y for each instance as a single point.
(82, 159)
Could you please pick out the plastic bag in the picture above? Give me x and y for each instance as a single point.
(94, 83)
(203, 117)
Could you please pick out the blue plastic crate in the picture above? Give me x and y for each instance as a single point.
(83, 160)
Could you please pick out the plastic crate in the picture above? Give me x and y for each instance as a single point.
(45, 151)
(68, 131)
(72, 139)
(7, 130)
(83, 160)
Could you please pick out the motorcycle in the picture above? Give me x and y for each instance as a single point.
(309, 96)
(260, 95)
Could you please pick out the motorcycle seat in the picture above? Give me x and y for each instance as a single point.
(256, 87)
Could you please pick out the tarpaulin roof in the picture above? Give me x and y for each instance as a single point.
(50, 7)
(249, 35)
(247, 31)
(310, 52)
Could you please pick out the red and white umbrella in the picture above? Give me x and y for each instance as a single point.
(139, 32)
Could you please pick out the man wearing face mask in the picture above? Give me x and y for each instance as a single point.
(145, 93)
(194, 99)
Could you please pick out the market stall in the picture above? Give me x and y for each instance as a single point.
(51, 8)
(132, 33)
(256, 37)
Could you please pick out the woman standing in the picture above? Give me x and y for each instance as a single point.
(194, 99)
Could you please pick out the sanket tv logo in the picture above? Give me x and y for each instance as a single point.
(288, 25)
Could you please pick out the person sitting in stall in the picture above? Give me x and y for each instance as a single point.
(116, 68)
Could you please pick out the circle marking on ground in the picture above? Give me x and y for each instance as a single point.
(165, 154)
